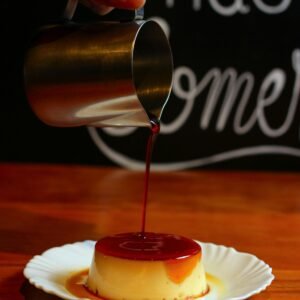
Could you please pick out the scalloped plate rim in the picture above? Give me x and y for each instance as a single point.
(32, 279)
(268, 271)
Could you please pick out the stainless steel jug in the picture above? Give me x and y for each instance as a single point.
(99, 74)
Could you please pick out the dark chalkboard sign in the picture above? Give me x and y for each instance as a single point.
(235, 100)
(234, 104)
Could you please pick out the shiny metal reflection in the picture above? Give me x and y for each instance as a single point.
(102, 74)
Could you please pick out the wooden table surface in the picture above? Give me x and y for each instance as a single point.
(44, 206)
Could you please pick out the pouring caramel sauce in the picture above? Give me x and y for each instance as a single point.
(146, 246)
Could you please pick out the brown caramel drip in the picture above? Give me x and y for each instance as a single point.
(76, 286)
(199, 296)
(179, 269)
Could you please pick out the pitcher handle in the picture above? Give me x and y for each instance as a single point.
(70, 9)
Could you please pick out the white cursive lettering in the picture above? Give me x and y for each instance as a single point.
(230, 85)
(238, 6)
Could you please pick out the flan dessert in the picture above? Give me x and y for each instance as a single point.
(136, 266)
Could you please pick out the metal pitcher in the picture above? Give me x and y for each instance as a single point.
(100, 74)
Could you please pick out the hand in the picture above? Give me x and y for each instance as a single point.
(104, 6)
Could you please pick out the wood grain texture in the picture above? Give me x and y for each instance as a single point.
(48, 205)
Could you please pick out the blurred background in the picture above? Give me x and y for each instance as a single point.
(235, 99)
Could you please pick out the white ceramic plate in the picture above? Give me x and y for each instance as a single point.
(242, 275)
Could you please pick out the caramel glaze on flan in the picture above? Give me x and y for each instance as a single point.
(135, 266)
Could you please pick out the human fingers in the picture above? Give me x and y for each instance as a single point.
(123, 4)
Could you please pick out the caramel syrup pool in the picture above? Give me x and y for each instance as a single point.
(75, 284)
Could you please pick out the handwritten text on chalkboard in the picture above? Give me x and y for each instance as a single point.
(238, 6)
(225, 95)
